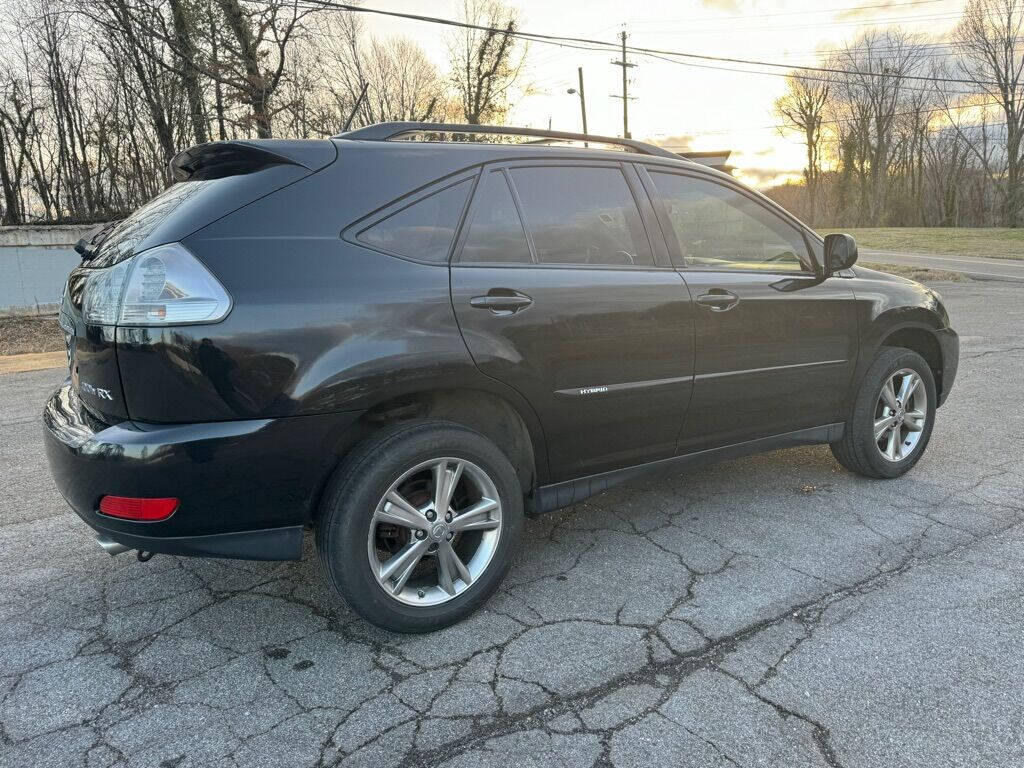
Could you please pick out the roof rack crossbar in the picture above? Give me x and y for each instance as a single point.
(386, 131)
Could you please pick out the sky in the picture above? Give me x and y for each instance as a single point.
(684, 106)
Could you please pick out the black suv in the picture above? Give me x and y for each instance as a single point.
(408, 335)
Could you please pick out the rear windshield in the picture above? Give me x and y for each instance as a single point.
(129, 232)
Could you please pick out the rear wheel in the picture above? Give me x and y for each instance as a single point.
(420, 525)
(892, 417)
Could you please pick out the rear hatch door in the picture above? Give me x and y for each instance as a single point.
(213, 180)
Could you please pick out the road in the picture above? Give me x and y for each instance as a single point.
(771, 611)
(978, 267)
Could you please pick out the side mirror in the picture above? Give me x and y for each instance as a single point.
(840, 253)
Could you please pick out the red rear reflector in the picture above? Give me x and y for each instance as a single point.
(138, 509)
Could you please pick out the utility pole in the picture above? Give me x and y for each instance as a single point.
(625, 87)
(583, 103)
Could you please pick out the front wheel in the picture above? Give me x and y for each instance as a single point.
(420, 525)
(892, 417)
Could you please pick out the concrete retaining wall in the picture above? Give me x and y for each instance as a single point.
(34, 265)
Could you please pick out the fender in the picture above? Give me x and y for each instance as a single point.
(889, 305)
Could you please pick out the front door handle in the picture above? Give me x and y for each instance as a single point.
(718, 300)
(503, 303)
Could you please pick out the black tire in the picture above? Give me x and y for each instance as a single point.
(857, 450)
(360, 483)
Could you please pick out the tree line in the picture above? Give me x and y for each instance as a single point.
(903, 130)
(97, 95)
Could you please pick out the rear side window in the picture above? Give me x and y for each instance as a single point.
(496, 233)
(719, 228)
(582, 215)
(423, 230)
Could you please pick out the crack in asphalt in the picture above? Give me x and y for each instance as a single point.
(654, 673)
(709, 656)
(616, 597)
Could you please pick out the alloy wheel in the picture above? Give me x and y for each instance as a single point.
(435, 531)
(900, 415)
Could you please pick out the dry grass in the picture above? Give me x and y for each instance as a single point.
(991, 243)
(920, 274)
(38, 333)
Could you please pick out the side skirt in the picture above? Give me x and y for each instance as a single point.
(548, 498)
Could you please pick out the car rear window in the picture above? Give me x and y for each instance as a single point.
(129, 232)
(423, 230)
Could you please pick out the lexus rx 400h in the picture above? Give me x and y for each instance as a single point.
(408, 336)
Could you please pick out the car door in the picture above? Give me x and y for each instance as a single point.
(776, 345)
(559, 293)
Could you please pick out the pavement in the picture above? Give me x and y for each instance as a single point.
(977, 267)
(771, 611)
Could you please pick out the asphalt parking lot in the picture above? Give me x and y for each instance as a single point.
(771, 611)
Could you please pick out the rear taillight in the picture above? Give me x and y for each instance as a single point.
(130, 508)
(165, 285)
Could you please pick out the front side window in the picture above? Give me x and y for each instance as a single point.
(496, 232)
(719, 228)
(582, 215)
(423, 230)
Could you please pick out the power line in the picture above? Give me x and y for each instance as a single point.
(824, 70)
(694, 29)
(929, 50)
(846, 9)
(794, 75)
(846, 120)
(559, 79)
(604, 46)
(608, 47)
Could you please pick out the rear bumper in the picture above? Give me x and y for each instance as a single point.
(949, 343)
(268, 544)
(246, 488)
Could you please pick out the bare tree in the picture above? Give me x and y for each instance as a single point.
(249, 58)
(869, 95)
(947, 168)
(802, 108)
(15, 127)
(400, 81)
(486, 63)
(268, 26)
(130, 45)
(185, 18)
(989, 53)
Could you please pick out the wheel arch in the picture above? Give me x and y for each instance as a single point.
(490, 414)
(919, 338)
(513, 428)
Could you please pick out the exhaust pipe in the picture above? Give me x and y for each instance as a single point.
(110, 546)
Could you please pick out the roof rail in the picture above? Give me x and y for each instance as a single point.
(386, 131)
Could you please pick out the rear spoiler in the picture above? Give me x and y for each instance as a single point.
(217, 159)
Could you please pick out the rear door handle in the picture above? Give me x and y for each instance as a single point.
(718, 300)
(505, 303)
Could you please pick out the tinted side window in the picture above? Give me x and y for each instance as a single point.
(423, 230)
(582, 215)
(496, 233)
(719, 228)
